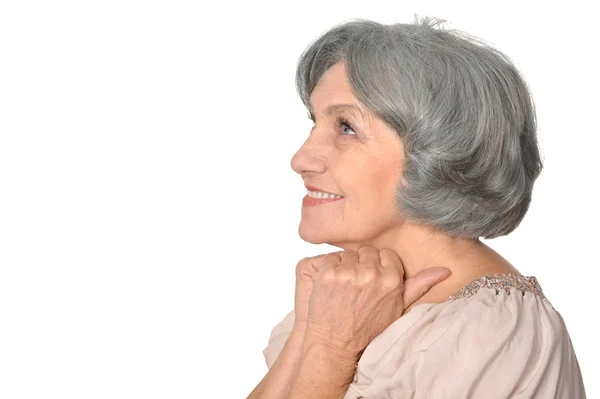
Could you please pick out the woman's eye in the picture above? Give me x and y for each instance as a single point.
(342, 123)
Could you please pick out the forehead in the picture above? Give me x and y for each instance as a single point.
(333, 93)
(332, 83)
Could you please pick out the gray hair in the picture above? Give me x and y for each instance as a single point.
(461, 108)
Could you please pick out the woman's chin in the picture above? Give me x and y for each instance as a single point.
(312, 238)
(313, 235)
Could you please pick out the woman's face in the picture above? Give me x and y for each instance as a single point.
(354, 154)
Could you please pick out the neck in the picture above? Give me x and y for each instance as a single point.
(420, 247)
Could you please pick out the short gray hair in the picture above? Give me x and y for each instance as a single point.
(463, 111)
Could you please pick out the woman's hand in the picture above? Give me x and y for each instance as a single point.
(355, 296)
(305, 271)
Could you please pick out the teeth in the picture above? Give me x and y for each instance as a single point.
(322, 195)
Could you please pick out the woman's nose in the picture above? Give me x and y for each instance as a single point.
(310, 157)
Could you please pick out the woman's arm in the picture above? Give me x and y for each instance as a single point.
(322, 372)
(276, 383)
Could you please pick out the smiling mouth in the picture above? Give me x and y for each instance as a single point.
(322, 195)
(317, 192)
(310, 201)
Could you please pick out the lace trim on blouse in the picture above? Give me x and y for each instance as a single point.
(500, 281)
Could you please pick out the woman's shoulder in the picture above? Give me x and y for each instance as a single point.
(492, 310)
(496, 336)
(498, 309)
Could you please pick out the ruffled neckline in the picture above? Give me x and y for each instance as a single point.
(500, 281)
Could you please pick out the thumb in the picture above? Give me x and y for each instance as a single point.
(416, 286)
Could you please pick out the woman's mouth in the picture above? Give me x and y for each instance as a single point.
(315, 197)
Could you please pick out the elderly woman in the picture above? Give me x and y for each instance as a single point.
(424, 141)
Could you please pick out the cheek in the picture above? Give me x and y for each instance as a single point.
(369, 197)
(376, 191)
(368, 180)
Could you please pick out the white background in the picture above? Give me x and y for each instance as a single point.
(148, 212)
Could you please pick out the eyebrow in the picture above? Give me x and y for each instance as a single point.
(336, 107)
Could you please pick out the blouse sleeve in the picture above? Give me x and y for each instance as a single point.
(496, 346)
(278, 337)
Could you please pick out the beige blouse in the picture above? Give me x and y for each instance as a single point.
(503, 341)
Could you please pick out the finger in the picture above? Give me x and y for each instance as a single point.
(416, 286)
(340, 253)
(331, 259)
(309, 265)
(349, 258)
(391, 260)
(368, 256)
(301, 267)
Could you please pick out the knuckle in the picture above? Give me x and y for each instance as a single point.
(346, 275)
(329, 276)
(370, 272)
(391, 281)
(368, 275)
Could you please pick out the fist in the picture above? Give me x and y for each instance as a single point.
(355, 296)
(306, 269)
